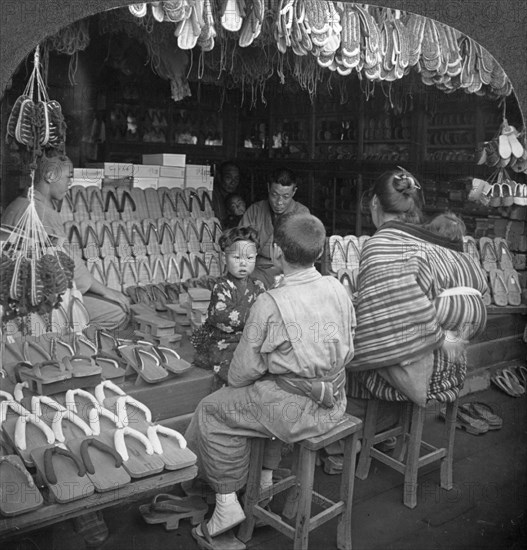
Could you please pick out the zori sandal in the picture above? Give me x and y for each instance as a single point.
(34, 353)
(81, 366)
(499, 287)
(513, 382)
(171, 446)
(28, 432)
(66, 478)
(145, 364)
(100, 393)
(168, 357)
(36, 407)
(503, 382)
(18, 390)
(514, 290)
(71, 432)
(139, 459)
(487, 252)
(466, 422)
(18, 492)
(170, 509)
(104, 465)
(223, 540)
(130, 412)
(521, 375)
(482, 411)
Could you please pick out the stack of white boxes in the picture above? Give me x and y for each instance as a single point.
(198, 175)
(115, 173)
(145, 176)
(87, 177)
(171, 168)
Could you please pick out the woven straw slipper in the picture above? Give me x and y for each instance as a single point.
(468, 423)
(482, 411)
(506, 384)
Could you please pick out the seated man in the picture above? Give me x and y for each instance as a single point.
(263, 216)
(286, 378)
(107, 308)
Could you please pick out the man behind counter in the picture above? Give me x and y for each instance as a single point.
(263, 216)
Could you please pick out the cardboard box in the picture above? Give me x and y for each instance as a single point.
(172, 172)
(88, 173)
(171, 182)
(197, 171)
(165, 159)
(145, 183)
(146, 170)
(117, 170)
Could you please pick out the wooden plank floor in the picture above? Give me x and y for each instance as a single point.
(486, 509)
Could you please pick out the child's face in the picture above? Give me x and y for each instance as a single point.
(237, 206)
(240, 259)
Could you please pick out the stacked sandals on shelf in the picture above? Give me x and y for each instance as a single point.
(80, 442)
(143, 239)
(495, 258)
(344, 256)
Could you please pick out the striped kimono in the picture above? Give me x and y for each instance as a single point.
(403, 270)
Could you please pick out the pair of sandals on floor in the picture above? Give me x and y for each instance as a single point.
(512, 381)
(475, 417)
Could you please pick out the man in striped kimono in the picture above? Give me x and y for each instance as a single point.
(287, 377)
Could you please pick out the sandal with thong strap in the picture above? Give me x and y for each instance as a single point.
(171, 509)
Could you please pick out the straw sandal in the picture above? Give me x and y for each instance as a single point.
(507, 382)
(488, 254)
(482, 411)
(512, 283)
(503, 254)
(466, 422)
(499, 287)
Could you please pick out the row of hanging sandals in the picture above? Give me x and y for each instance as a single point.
(382, 44)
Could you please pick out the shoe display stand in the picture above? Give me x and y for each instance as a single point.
(56, 513)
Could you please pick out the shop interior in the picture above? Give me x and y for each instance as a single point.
(129, 86)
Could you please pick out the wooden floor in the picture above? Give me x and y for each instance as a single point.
(486, 509)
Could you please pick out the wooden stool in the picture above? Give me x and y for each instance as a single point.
(300, 485)
(409, 433)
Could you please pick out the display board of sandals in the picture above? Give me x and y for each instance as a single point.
(79, 442)
(148, 238)
(493, 255)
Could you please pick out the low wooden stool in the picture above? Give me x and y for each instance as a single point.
(301, 494)
(406, 457)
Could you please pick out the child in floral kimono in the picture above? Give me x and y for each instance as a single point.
(232, 298)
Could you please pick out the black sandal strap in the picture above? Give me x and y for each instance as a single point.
(85, 455)
(49, 470)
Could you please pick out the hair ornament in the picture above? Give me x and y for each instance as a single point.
(407, 177)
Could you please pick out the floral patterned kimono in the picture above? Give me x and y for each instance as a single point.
(216, 340)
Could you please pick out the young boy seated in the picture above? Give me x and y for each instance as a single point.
(286, 378)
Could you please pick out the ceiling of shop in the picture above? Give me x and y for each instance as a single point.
(499, 25)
